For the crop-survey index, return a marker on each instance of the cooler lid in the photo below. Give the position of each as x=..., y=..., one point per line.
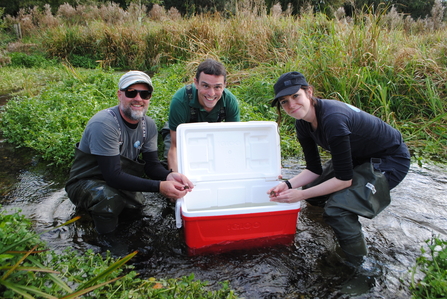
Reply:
x=229, y=151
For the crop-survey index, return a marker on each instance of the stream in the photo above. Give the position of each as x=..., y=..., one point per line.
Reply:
x=312, y=267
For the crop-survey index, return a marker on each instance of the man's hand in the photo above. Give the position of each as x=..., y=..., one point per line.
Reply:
x=178, y=177
x=176, y=186
x=173, y=189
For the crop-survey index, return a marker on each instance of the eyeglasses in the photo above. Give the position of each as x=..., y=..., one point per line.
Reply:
x=144, y=94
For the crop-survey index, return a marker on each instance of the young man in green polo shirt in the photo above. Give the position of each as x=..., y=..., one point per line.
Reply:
x=206, y=100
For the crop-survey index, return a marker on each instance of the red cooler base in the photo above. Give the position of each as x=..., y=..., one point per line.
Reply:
x=223, y=247
x=206, y=234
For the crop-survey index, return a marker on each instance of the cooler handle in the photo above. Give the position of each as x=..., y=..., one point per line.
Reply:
x=178, y=209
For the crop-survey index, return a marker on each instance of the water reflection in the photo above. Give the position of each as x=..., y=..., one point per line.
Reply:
x=310, y=268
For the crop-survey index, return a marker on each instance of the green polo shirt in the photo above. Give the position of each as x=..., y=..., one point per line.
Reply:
x=181, y=103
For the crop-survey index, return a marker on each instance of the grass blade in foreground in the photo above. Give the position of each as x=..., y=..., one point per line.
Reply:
x=109, y=270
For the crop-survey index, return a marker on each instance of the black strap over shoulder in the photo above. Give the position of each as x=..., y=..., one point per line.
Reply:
x=143, y=122
x=221, y=115
x=194, y=112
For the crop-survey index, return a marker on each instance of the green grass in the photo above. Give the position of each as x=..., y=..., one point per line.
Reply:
x=52, y=121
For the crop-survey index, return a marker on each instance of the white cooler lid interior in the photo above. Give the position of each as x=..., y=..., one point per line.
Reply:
x=229, y=151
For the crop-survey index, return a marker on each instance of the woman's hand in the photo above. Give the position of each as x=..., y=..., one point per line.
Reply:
x=282, y=193
x=287, y=195
x=275, y=191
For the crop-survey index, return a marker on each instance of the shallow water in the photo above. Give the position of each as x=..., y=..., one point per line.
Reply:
x=310, y=268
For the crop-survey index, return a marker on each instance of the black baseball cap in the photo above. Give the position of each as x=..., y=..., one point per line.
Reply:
x=289, y=83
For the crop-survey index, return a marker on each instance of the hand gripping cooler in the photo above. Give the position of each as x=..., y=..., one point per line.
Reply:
x=232, y=166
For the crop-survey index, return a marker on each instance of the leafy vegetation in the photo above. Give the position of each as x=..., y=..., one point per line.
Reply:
x=19, y=59
x=28, y=269
x=378, y=60
x=53, y=121
x=434, y=266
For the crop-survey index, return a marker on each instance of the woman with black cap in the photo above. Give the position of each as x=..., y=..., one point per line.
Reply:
x=369, y=158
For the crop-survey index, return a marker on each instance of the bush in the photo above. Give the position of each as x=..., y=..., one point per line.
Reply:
x=83, y=61
x=19, y=59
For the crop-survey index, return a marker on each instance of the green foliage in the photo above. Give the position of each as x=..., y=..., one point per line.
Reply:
x=2, y=21
x=30, y=60
x=166, y=83
x=390, y=73
x=434, y=267
x=184, y=287
x=13, y=229
x=84, y=61
x=52, y=122
x=417, y=8
x=26, y=272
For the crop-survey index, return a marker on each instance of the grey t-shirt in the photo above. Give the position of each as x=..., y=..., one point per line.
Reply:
x=102, y=136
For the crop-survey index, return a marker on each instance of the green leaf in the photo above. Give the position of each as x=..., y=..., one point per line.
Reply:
x=31, y=290
x=109, y=270
x=57, y=280
x=33, y=236
x=87, y=290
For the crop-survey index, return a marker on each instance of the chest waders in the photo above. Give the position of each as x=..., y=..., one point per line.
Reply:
x=368, y=195
x=87, y=189
x=193, y=118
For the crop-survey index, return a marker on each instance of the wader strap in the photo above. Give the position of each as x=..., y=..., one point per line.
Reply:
x=194, y=116
x=376, y=163
x=119, y=127
x=221, y=115
x=143, y=124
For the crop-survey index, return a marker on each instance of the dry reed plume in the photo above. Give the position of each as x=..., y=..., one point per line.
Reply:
x=134, y=38
x=340, y=50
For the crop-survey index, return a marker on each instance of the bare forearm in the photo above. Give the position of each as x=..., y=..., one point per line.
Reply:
x=327, y=187
x=172, y=159
x=304, y=178
x=281, y=193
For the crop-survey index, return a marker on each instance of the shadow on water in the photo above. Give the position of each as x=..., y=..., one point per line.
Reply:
x=312, y=267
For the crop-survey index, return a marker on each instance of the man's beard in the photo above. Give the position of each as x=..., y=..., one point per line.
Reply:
x=132, y=114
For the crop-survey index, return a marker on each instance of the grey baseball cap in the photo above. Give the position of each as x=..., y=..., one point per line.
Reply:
x=134, y=77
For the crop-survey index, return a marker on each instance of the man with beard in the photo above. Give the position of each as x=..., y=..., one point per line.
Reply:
x=118, y=147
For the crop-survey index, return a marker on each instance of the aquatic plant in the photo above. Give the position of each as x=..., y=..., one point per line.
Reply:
x=26, y=272
x=433, y=264
x=28, y=269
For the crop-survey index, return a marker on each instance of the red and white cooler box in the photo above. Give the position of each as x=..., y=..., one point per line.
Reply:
x=232, y=166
